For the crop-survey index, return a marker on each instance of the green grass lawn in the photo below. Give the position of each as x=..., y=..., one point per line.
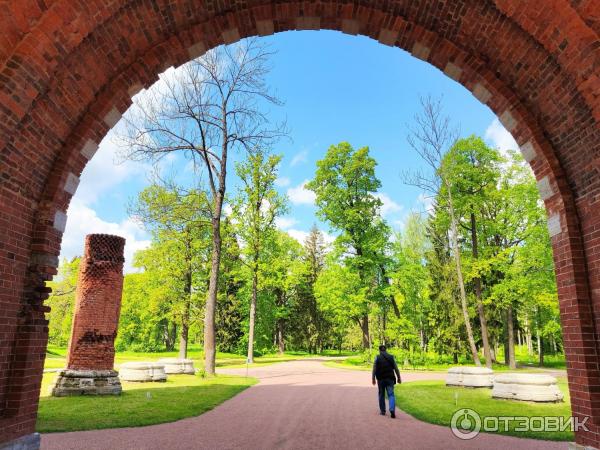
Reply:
x=433, y=402
x=140, y=403
x=56, y=357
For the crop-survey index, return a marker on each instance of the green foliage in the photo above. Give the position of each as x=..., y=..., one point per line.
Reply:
x=62, y=302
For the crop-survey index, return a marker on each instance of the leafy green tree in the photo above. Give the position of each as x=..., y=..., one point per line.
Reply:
x=345, y=185
x=410, y=279
x=62, y=302
x=179, y=222
x=255, y=208
x=473, y=171
x=212, y=106
x=430, y=137
x=307, y=320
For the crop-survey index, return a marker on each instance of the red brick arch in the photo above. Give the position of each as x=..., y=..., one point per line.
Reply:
x=68, y=70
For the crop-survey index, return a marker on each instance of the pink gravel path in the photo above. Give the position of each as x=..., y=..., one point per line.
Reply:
x=296, y=405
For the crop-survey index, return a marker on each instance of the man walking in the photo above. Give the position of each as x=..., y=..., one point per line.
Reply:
x=386, y=372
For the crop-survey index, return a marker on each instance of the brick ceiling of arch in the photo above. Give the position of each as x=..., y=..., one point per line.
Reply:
x=69, y=69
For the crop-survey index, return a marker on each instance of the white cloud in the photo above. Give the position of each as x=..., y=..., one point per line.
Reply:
x=500, y=138
x=285, y=222
x=83, y=220
x=299, y=195
x=389, y=206
x=283, y=181
x=103, y=174
x=299, y=158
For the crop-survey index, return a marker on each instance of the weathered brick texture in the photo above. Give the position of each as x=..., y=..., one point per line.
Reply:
x=98, y=303
x=68, y=69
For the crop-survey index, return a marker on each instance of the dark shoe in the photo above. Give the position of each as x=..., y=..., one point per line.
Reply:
x=382, y=413
x=392, y=414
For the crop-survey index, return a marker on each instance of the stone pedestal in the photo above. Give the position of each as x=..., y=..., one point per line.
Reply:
x=142, y=371
x=86, y=382
x=475, y=377
x=527, y=387
x=27, y=442
x=178, y=366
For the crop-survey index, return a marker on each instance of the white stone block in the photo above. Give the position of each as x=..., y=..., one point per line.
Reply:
x=528, y=151
x=60, y=221
x=481, y=93
x=420, y=51
x=507, y=120
x=554, y=225
x=71, y=183
x=112, y=117
x=453, y=71
x=531, y=387
x=135, y=89
x=89, y=149
x=545, y=188
x=468, y=376
x=142, y=371
x=176, y=365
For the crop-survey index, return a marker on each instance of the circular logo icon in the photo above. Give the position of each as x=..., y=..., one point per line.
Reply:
x=465, y=424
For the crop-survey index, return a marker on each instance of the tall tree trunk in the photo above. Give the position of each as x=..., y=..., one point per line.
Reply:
x=280, y=338
x=364, y=326
x=459, y=276
x=185, y=318
x=520, y=342
x=541, y=347
x=252, y=315
x=213, y=285
x=493, y=352
x=528, y=338
x=510, y=338
x=392, y=299
x=480, y=310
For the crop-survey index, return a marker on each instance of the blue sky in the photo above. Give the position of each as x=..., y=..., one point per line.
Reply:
x=335, y=88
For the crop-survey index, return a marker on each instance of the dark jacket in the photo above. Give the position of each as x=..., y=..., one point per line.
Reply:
x=385, y=368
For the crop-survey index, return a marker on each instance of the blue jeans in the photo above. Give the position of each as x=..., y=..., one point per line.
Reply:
x=386, y=385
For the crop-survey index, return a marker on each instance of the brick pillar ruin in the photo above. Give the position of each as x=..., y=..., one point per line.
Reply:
x=95, y=321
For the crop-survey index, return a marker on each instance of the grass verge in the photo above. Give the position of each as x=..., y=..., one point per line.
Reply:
x=433, y=402
x=140, y=404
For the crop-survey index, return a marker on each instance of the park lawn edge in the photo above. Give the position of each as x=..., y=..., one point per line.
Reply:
x=425, y=414
x=81, y=413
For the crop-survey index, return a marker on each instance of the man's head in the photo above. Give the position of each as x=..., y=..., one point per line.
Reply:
x=382, y=348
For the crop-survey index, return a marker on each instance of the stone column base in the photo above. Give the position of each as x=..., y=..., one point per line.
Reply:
x=28, y=442
x=86, y=382
x=574, y=446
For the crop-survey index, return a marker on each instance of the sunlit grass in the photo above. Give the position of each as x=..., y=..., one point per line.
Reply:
x=140, y=403
x=433, y=402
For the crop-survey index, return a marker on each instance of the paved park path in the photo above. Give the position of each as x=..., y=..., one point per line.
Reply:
x=296, y=405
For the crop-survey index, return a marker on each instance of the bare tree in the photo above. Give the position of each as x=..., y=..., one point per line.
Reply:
x=431, y=136
x=206, y=109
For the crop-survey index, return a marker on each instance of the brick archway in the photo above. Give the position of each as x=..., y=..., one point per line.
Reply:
x=68, y=70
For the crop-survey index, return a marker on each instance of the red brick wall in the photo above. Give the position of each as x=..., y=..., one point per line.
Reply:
x=68, y=68
x=98, y=303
